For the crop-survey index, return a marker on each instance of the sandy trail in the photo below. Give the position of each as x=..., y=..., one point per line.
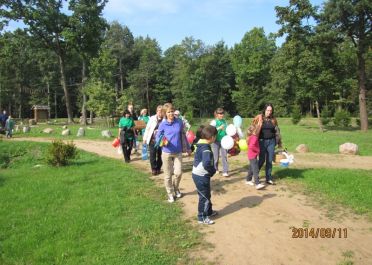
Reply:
x=256, y=227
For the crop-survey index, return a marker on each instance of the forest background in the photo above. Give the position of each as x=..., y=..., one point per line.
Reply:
x=79, y=64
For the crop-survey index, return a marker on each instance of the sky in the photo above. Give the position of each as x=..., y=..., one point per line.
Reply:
x=211, y=21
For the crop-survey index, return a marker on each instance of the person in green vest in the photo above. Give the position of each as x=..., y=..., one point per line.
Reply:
x=9, y=126
x=144, y=117
x=220, y=124
x=126, y=134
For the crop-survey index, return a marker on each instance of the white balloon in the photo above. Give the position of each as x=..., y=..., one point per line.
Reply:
x=231, y=130
x=240, y=133
x=227, y=142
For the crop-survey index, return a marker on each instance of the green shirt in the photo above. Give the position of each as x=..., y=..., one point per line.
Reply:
x=126, y=122
x=220, y=133
x=144, y=118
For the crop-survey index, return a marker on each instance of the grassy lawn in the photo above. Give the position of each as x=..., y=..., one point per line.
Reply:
x=350, y=188
x=95, y=211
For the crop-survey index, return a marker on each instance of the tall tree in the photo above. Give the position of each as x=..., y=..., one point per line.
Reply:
x=45, y=20
x=353, y=19
x=85, y=34
x=251, y=60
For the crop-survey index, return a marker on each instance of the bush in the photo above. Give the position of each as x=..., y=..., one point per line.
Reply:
x=59, y=153
x=342, y=118
x=4, y=160
x=326, y=115
x=296, y=114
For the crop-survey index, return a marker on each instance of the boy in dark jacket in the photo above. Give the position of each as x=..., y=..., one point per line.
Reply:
x=202, y=171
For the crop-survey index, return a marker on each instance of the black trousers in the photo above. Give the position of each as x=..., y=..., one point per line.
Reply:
x=155, y=157
x=127, y=149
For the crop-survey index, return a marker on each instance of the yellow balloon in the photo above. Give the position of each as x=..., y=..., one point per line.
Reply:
x=243, y=145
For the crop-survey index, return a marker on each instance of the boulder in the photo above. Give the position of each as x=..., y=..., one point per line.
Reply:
x=64, y=127
x=26, y=129
x=106, y=133
x=302, y=148
x=348, y=149
x=48, y=130
x=81, y=132
x=66, y=132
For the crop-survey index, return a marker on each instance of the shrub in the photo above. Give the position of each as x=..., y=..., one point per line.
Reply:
x=296, y=114
x=59, y=153
x=342, y=118
x=4, y=160
x=326, y=115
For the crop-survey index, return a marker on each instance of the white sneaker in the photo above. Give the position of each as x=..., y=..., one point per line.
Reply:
x=260, y=186
x=226, y=175
x=206, y=221
x=249, y=182
x=270, y=182
x=170, y=198
x=178, y=194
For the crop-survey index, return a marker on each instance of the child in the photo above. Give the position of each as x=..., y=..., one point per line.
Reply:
x=202, y=171
x=9, y=126
x=126, y=134
x=253, y=152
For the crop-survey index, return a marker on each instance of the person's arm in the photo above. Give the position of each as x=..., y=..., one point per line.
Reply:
x=208, y=163
x=278, y=137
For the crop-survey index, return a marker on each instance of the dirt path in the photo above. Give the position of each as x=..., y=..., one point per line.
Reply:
x=255, y=227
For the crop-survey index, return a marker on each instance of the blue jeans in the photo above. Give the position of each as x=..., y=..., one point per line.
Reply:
x=203, y=186
x=267, y=152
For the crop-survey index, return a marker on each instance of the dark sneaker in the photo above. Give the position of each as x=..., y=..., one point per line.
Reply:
x=214, y=213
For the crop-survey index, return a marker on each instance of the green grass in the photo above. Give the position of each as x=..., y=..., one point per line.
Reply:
x=351, y=188
x=95, y=211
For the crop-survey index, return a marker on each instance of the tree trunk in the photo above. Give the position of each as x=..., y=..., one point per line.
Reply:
x=321, y=128
x=362, y=91
x=55, y=104
x=48, y=90
x=121, y=76
x=147, y=96
x=83, y=108
x=91, y=117
x=65, y=89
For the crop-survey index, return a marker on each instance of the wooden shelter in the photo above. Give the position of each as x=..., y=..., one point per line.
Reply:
x=41, y=112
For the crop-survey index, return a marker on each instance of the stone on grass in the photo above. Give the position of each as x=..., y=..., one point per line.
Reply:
x=302, y=148
x=348, y=149
x=64, y=127
x=31, y=122
x=106, y=133
x=26, y=129
x=48, y=130
x=66, y=132
x=81, y=132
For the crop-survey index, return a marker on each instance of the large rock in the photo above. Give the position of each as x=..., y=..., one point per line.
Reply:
x=64, y=127
x=348, y=149
x=302, y=148
x=26, y=129
x=66, y=132
x=81, y=132
x=106, y=133
x=48, y=130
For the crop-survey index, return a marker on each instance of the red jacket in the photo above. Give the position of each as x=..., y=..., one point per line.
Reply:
x=253, y=147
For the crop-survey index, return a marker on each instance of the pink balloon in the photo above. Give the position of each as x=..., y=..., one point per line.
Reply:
x=190, y=136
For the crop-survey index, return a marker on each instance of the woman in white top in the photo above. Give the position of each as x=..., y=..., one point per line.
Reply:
x=149, y=139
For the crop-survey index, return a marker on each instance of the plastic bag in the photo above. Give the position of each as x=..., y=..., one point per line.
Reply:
x=144, y=152
x=120, y=150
